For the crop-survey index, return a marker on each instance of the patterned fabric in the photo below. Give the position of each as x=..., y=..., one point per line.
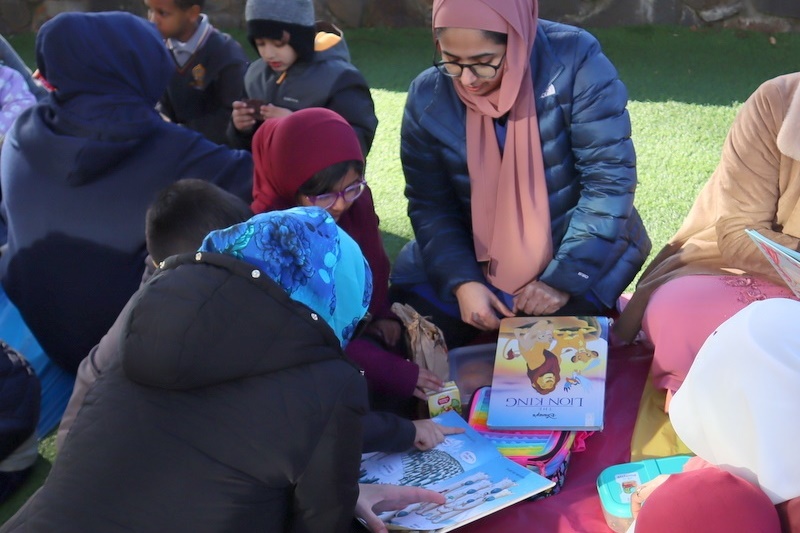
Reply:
x=695, y=306
x=309, y=256
x=14, y=97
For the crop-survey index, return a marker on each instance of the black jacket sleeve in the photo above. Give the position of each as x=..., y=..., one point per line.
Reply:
x=326, y=492
x=387, y=432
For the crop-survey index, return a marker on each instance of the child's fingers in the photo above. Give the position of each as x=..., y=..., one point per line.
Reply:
x=450, y=430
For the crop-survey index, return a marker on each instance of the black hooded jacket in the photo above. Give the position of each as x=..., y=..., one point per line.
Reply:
x=231, y=408
x=79, y=171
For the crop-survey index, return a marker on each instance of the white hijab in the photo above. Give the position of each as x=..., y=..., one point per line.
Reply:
x=739, y=407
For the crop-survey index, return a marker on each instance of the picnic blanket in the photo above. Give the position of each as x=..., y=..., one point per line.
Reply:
x=577, y=507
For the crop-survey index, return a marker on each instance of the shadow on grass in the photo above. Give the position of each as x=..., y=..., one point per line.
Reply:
x=392, y=243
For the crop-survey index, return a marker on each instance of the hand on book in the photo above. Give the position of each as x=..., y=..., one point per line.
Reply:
x=429, y=433
x=376, y=498
x=538, y=298
x=479, y=306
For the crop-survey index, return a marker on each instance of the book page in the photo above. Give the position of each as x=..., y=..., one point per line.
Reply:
x=474, y=477
x=785, y=260
x=549, y=373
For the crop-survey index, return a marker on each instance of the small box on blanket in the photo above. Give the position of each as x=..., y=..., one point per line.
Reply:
x=616, y=483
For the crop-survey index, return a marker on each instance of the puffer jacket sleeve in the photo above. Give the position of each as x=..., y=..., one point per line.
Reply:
x=605, y=165
x=439, y=224
x=326, y=493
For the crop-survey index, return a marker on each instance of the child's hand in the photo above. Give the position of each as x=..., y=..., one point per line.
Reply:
x=644, y=491
x=427, y=381
x=374, y=499
x=243, y=116
x=430, y=434
x=270, y=111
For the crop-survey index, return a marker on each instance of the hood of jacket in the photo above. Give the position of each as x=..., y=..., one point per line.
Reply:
x=207, y=318
x=108, y=70
x=329, y=43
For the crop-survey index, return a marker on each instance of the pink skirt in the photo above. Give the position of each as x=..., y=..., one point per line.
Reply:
x=683, y=312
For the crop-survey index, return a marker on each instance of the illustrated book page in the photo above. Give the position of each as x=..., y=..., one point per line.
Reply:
x=549, y=373
x=474, y=477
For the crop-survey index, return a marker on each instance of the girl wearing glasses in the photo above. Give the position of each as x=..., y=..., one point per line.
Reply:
x=332, y=177
x=520, y=172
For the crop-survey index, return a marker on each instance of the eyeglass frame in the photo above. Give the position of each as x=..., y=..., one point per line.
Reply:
x=362, y=183
x=440, y=66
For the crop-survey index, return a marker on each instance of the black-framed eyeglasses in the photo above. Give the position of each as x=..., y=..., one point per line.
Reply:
x=350, y=194
x=453, y=69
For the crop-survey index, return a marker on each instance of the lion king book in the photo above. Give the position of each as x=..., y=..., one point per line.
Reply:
x=550, y=373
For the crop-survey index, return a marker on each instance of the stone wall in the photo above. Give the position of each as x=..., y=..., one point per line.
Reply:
x=763, y=15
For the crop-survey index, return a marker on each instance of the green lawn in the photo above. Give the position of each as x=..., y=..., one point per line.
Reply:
x=685, y=87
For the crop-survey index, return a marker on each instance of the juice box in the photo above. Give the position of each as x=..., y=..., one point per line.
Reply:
x=447, y=399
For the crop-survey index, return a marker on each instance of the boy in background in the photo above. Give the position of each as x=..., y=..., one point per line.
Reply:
x=176, y=223
x=301, y=65
x=209, y=67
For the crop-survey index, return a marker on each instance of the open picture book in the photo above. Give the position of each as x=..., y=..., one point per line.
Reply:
x=549, y=373
x=474, y=477
x=785, y=260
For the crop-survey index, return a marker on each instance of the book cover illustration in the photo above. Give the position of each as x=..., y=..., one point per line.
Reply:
x=549, y=373
x=785, y=260
x=474, y=477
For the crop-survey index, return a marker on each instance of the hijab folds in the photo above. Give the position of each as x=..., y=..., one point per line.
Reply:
x=739, y=405
x=510, y=210
x=106, y=92
x=710, y=500
x=309, y=256
x=288, y=151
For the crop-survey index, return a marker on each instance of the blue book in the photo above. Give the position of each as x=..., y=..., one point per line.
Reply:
x=474, y=477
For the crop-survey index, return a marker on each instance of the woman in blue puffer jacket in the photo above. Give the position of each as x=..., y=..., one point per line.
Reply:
x=520, y=173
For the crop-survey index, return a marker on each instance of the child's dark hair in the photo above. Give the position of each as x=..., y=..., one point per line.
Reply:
x=185, y=212
x=327, y=178
x=183, y=5
x=300, y=38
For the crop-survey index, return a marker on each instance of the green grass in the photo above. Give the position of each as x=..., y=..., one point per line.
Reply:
x=685, y=87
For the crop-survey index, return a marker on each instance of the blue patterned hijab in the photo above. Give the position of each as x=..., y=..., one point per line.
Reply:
x=305, y=252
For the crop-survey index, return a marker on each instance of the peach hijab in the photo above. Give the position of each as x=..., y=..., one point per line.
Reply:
x=510, y=210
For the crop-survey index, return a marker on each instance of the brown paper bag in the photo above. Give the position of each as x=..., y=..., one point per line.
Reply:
x=425, y=341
